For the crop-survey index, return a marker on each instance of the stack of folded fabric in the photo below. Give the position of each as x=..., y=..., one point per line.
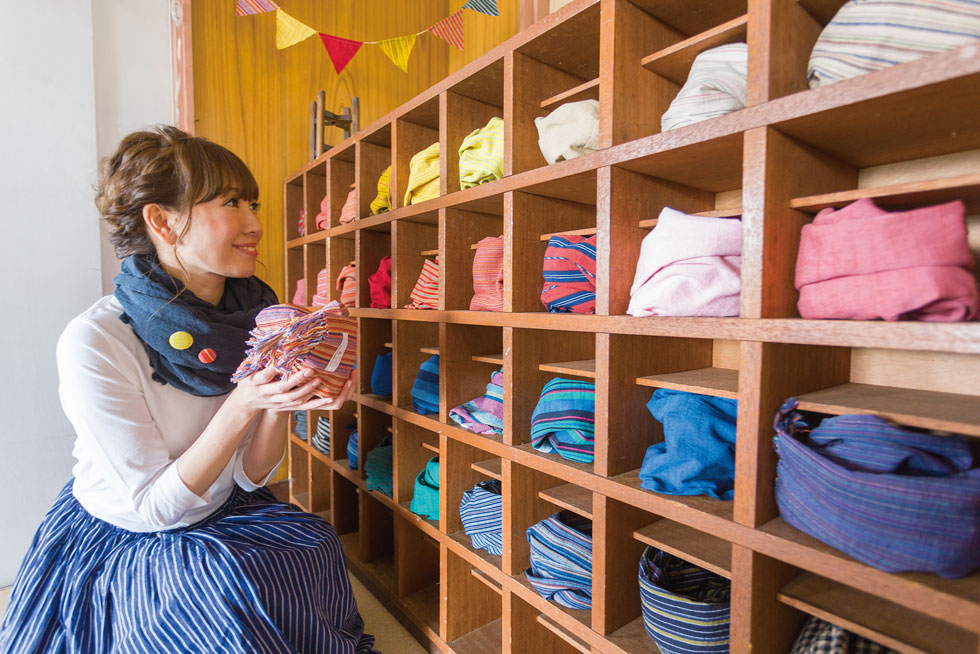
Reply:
x=569, y=131
x=352, y=450
x=425, y=295
x=561, y=560
x=323, y=218
x=347, y=284
x=898, y=500
x=300, y=418
x=697, y=455
x=425, y=390
x=299, y=297
x=686, y=610
x=377, y=467
x=564, y=420
x=864, y=263
x=321, y=439
x=481, y=155
x=423, y=176
x=322, y=296
x=425, y=498
x=484, y=415
x=301, y=223
x=688, y=266
x=820, y=637
x=348, y=213
x=569, y=274
x=382, y=202
x=488, y=275
x=715, y=86
x=381, y=375
x=481, y=511
x=380, y=285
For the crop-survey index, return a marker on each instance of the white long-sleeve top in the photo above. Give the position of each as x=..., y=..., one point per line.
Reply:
x=131, y=429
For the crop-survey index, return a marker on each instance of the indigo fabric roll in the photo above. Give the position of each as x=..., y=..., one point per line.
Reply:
x=481, y=511
x=898, y=500
x=569, y=274
x=697, y=455
x=561, y=560
x=564, y=420
x=377, y=467
x=425, y=497
x=425, y=390
x=686, y=610
x=321, y=439
x=381, y=375
x=481, y=155
x=483, y=415
x=820, y=637
x=352, y=450
x=380, y=285
x=300, y=417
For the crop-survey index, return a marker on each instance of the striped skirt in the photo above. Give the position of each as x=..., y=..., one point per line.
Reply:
x=256, y=576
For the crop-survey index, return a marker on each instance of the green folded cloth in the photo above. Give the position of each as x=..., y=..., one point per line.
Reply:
x=426, y=499
x=378, y=467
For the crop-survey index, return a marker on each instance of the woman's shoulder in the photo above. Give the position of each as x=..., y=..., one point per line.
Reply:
x=98, y=326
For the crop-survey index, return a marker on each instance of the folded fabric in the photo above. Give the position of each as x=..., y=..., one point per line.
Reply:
x=293, y=339
x=380, y=285
x=423, y=176
x=352, y=450
x=564, y=420
x=348, y=212
x=300, y=418
x=299, y=297
x=321, y=439
x=425, y=497
x=381, y=375
x=323, y=218
x=488, y=275
x=688, y=266
x=481, y=511
x=697, y=455
x=864, y=263
x=382, y=202
x=301, y=223
x=377, y=467
x=895, y=499
x=561, y=560
x=820, y=637
x=686, y=610
x=569, y=131
x=425, y=295
x=481, y=155
x=868, y=35
x=569, y=274
x=714, y=87
x=347, y=284
x=425, y=390
x=322, y=296
x=484, y=415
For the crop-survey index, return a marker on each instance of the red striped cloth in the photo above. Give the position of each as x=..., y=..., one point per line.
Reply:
x=322, y=221
x=380, y=285
x=322, y=296
x=347, y=284
x=425, y=295
x=488, y=275
x=348, y=213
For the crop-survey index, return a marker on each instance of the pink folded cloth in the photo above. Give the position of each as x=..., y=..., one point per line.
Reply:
x=379, y=285
x=301, y=223
x=322, y=296
x=864, y=263
x=348, y=213
x=322, y=221
x=488, y=275
x=299, y=297
x=425, y=295
x=347, y=284
x=688, y=266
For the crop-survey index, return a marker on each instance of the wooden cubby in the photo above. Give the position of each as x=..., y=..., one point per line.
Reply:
x=905, y=136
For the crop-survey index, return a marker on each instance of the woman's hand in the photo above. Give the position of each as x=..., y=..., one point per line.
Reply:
x=262, y=391
x=327, y=403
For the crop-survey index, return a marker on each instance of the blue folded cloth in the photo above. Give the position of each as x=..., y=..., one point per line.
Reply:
x=321, y=438
x=300, y=417
x=481, y=511
x=425, y=390
x=561, y=559
x=564, y=420
x=352, y=450
x=381, y=375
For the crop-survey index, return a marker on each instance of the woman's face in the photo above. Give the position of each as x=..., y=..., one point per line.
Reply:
x=222, y=239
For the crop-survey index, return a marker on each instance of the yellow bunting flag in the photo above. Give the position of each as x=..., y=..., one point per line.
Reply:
x=399, y=49
x=290, y=31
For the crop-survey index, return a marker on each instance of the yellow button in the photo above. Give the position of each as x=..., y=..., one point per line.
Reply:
x=181, y=340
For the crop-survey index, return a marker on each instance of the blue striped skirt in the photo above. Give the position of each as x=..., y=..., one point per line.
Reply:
x=256, y=576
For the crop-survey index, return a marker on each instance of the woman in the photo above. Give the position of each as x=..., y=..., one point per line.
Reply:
x=166, y=539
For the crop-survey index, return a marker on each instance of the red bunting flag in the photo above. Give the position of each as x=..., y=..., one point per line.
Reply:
x=450, y=29
x=341, y=51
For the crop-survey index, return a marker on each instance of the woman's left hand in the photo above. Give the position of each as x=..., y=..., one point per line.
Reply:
x=315, y=403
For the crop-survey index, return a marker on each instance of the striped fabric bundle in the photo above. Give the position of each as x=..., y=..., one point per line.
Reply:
x=484, y=415
x=322, y=296
x=820, y=637
x=481, y=511
x=301, y=222
x=714, y=87
x=569, y=274
x=423, y=176
x=481, y=155
x=323, y=218
x=352, y=450
x=293, y=339
x=561, y=560
x=564, y=420
x=569, y=131
x=425, y=390
x=686, y=610
x=321, y=439
x=869, y=35
x=347, y=284
x=894, y=499
x=425, y=497
x=348, y=212
x=425, y=295
x=381, y=375
x=377, y=467
x=488, y=275
x=300, y=418
x=382, y=202
x=299, y=297
x=379, y=284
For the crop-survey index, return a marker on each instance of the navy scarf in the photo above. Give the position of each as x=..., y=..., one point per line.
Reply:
x=192, y=344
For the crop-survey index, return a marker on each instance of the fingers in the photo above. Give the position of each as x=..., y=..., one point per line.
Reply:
x=265, y=375
x=283, y=386
x=297, y=395
x=329, y=403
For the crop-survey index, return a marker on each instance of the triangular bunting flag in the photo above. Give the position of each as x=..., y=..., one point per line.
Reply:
x=450, y=29
x=488, y=7
x=250, y=7
x=341, y=51
x=398, y=49
x=290, y=31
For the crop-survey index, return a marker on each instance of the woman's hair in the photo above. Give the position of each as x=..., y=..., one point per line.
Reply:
x=164, y=166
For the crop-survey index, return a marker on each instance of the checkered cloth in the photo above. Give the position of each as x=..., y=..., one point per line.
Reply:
x=820, y=637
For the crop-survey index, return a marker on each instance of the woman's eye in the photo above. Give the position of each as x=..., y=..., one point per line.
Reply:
x=232, y=202
x=254, y=207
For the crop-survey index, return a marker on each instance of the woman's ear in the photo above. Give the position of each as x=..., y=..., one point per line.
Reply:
x=159, y=223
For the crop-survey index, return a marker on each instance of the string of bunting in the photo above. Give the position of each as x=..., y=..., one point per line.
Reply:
x=290, y=31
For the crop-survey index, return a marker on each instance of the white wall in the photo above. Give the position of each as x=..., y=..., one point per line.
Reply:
x=55, y=116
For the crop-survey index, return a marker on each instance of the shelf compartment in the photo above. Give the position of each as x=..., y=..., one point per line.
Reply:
x=484, y=640
x=674, y=62
x=718, y=382
x=553, y=627
x=495, y=359
x=490, y=467
x=697, y=547
x=569, y=496
x=584, y=91
x=902, y=196
x=429, y=253
x=487, y=581
x=584, y=368
x=429, y=350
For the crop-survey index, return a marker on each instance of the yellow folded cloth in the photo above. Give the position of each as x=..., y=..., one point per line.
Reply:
x=382, y=203
x=423, y=176
x=481, y=156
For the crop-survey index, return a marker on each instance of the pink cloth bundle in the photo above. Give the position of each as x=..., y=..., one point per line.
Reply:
x=689, y=266
x=322, y=296
x=347, y=284
x=488, y=275
x=348, y=213
x=379, y=285
x=299, y=297
x=425, y=295
x=322, y=220
x=301, y=223
x=864, y=263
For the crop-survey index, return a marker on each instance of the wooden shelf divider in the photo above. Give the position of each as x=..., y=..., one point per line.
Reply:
x=719, y=382
x=584, y=368
x=909, y=194
x=490, y=468
x=701, y=549
x=674, y=62
x=584, y=91
x=569, y=496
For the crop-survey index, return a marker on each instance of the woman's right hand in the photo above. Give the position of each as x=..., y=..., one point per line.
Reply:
x=262, y=391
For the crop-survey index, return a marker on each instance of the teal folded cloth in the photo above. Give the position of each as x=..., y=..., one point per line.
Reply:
x=425, y=501
x=564, y=420
x=377, y=467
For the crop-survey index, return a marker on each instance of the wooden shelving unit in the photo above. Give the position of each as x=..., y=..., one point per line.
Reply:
x=905, y=136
